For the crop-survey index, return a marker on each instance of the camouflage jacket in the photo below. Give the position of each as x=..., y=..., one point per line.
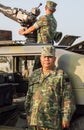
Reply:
x=49, y=99
x=46, y=26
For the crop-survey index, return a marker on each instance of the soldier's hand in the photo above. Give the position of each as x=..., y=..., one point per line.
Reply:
x=21, y=31
x=65, y=124
x=28, y=118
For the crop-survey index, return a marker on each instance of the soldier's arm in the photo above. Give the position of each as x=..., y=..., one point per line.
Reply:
x=27, y=102
x=40, y=22
x=68, y=105
x=27, y=31
x=28, y=97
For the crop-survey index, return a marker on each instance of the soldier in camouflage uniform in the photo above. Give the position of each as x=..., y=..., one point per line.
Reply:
x=49, y=101
x=46, y=25
x=46, y=28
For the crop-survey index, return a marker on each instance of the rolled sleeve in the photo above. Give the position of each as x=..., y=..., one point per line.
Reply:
x=40, y=22
x=36, y=25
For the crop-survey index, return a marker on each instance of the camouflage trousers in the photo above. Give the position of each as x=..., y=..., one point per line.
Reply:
x=41, y=128
x=37, y=128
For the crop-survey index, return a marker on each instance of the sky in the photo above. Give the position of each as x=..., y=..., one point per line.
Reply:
x=69, y=16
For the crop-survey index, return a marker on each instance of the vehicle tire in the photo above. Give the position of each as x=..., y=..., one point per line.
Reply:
x=78, y=124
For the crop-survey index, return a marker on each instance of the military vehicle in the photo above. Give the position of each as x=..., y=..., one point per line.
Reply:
x=13, y=84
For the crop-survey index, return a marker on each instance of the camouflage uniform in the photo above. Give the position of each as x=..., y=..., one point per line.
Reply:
x=49, y=100
x=46, y=25
x=46, y=29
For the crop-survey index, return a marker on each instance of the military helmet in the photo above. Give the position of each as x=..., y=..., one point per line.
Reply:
x=51, y=5
x=48, y=51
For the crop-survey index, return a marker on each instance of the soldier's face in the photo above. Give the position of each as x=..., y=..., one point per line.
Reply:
x=47, y=62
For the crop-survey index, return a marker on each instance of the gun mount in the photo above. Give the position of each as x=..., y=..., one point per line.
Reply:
x=23, y=17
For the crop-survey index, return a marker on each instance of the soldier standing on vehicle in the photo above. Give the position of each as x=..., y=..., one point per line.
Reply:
x=49, y=101
x=46, y=25
x=46, y=28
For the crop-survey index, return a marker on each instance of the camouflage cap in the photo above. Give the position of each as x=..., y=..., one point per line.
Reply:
x=51, y=5
x=48, y=51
